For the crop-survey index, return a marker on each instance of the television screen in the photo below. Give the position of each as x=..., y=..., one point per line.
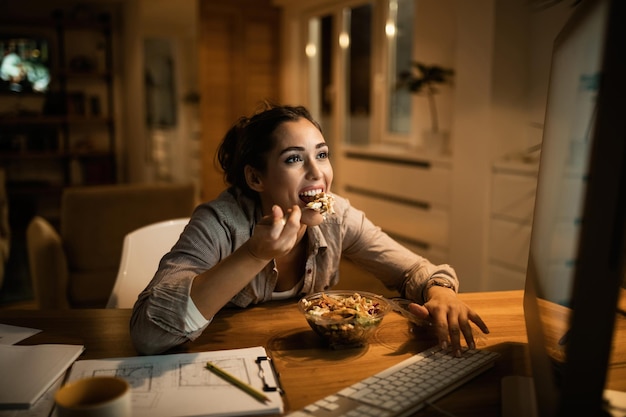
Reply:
x=24, y=64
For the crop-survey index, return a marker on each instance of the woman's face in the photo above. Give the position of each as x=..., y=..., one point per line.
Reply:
x=297, y=168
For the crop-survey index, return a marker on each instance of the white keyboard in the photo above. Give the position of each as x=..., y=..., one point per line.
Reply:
x=404, y=388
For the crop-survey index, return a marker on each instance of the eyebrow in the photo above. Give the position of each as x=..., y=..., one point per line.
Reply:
x=300, y=148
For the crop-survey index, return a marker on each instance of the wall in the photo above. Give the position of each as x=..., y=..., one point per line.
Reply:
x=498, y=112
x=173, y=23
x=472, y=141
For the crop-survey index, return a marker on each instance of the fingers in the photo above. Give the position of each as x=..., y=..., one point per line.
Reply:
x=294, y=214
x=278, y=222
x=451, y=323
x=419, y=311
x=475, y=318
x=467, y=330
x=277, y=214
x=275, y=217
x=276, y=233
x=468, y=335
x=451, y=329
x=454, y=333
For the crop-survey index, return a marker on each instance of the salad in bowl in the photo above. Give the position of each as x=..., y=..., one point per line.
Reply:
x=344, y=318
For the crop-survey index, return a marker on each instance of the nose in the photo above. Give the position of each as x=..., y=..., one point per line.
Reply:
x=313, y=171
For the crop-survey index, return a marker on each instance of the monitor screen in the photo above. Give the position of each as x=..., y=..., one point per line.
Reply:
x=576, y=258
x=24, y=64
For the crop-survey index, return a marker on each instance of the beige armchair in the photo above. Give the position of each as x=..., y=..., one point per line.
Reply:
x=76, y=267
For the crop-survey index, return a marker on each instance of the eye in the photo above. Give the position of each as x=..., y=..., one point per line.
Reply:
x=292, y=159
x=323, y=155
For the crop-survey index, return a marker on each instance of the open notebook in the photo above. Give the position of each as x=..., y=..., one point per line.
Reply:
x=180, y=385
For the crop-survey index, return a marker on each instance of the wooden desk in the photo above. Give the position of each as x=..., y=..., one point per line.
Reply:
x=308, y=370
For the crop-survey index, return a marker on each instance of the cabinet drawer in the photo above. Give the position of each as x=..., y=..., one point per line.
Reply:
x=428, y=183
x=429, y=226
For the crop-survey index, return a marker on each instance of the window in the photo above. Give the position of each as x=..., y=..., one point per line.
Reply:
x=339, y=51
x=354, y=54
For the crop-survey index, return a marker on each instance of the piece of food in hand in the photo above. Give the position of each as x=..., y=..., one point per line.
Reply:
x=323, y=203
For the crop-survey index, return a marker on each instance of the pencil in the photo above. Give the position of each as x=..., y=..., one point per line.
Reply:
x=237, y=382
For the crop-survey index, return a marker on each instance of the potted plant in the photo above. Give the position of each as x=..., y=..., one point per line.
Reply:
x=424, y=78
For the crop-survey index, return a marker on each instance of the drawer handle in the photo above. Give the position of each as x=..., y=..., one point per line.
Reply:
x=390, y=198
x=389, y=159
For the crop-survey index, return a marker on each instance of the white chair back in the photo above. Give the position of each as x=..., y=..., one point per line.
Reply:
x=142, y=251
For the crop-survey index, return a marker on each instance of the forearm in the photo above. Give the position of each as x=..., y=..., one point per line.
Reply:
x=214, y=288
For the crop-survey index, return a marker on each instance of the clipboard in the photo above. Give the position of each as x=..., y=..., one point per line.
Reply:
x=268, y=375
x=180, y=385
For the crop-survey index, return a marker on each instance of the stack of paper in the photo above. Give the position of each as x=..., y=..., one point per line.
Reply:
x=28, y=371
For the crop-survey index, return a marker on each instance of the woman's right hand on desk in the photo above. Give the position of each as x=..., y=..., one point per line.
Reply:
x=450, y=318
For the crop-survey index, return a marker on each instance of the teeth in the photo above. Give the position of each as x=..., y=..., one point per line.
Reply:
x=311, y=193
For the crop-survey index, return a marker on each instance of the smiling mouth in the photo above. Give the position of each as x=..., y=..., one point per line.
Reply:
x=322, y=203
x=309, y=196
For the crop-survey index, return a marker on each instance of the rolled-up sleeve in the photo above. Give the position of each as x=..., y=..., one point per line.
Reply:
x=158, y=320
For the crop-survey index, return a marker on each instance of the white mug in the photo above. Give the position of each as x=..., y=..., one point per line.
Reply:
x=102, y=396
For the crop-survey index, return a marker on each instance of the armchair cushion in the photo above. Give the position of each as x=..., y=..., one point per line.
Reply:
x=93, y=223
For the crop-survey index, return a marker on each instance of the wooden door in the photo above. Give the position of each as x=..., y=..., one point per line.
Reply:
x=239, y=69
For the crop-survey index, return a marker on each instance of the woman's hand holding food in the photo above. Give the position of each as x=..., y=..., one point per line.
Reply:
x=276, y=234
x=450, y=318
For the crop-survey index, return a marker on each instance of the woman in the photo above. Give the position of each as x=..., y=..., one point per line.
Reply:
x=258, y=241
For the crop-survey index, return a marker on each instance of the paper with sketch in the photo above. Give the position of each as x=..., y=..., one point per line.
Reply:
x=10, y=335
x=28, y=371
x=179, y=385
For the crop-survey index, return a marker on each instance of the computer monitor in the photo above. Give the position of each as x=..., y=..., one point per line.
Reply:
x=577, y=251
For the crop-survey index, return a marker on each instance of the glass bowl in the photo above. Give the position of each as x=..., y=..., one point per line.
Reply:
x=344, y=318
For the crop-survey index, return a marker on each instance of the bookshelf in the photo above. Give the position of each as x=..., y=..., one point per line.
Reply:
x=66, y=135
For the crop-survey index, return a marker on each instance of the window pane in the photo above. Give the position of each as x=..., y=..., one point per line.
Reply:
x=357, y=43
x=399, y=30
x=319, y=52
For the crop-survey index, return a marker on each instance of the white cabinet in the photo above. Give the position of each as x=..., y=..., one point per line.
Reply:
x=407, y=195
x=512, y=204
